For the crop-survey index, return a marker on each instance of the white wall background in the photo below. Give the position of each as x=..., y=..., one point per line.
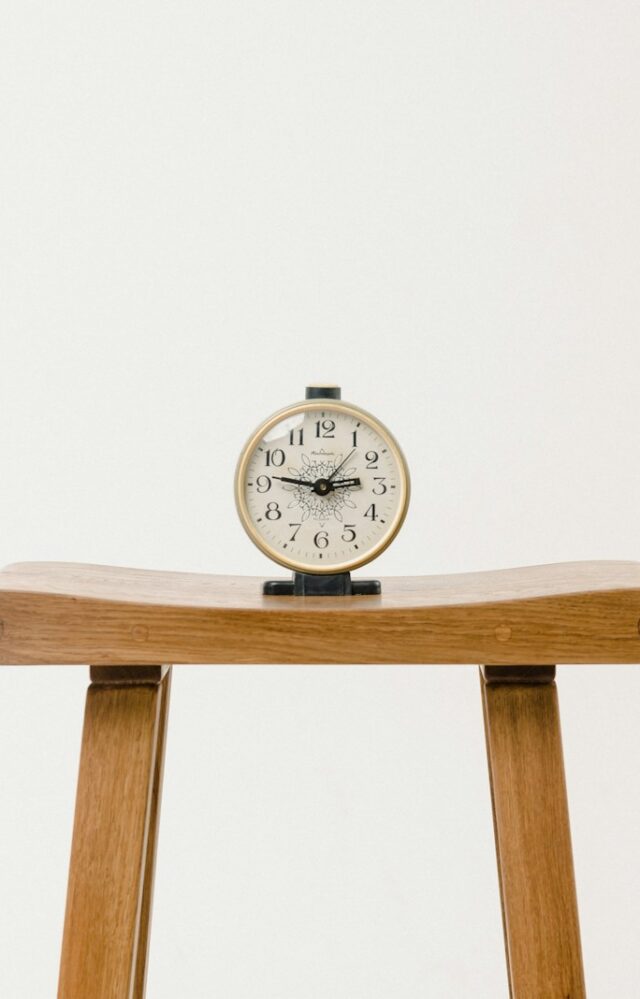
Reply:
x=204, y=207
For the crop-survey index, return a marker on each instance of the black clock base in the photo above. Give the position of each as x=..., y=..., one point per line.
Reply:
x=307, y=584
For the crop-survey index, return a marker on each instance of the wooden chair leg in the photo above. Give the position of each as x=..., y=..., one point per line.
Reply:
x=533, y=841
x=106, y=930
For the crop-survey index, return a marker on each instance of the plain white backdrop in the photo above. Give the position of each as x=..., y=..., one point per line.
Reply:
x=204, y=207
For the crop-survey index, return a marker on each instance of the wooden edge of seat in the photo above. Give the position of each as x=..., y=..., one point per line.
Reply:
x=189, y=589
x=56, y=613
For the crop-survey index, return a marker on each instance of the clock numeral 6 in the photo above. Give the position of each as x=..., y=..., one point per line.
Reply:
x=275, y=457
x=263, y=483
x=321, y=539
x=273, y=511
x=349, y=529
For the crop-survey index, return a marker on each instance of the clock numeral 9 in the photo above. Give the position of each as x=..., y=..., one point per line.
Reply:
x=273, y=511
x=372, y=459
x=326, y=426
x=275, y=457
x=263, y=483
x=349, y=529
x=321, y=539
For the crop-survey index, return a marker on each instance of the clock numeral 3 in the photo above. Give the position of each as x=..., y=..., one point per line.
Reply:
x=380, y=489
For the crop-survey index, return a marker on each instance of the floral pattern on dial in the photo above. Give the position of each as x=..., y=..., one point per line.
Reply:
x=320, y=508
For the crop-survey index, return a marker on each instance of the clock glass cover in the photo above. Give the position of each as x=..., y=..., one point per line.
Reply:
x=322, y=486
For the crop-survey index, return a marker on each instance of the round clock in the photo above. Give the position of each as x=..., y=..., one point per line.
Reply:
x=322, y=486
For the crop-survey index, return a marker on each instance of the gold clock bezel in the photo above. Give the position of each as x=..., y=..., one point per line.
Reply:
x=349, y=409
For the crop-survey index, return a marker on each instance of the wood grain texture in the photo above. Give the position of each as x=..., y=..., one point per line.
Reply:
x=149, y=862
x=112, y=857
x=579, y=612
x=533, y=841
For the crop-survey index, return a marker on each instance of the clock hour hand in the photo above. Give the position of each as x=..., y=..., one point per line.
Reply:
x=344, y=483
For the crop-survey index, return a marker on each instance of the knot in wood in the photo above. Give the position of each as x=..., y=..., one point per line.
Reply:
x=503, y=632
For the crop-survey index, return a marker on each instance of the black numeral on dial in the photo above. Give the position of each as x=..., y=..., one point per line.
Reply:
x=379, y=489
x=275, y=457
x=371, y=512
x=325, y=428
x=273, y=511
x=350, y=530
x=263, y=483
x=372, y=459
x=321, y=539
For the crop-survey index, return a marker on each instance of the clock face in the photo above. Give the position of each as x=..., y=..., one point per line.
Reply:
x=322, y=487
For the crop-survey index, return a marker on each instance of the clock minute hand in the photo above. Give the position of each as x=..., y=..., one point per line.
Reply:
x=297, y=482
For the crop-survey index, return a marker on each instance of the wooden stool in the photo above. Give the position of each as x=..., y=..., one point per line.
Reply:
x=128, y=623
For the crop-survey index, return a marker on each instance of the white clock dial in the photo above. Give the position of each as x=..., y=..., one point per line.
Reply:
x=322, y=487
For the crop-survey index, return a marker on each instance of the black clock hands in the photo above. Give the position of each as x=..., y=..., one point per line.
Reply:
x=338, y=467
x=344, y=483
x=296, y=482
x=320, y=486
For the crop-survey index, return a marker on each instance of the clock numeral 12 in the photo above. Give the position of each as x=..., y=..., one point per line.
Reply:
x=326, y=426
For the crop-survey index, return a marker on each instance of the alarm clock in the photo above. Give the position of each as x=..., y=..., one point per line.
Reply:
x=322, y=488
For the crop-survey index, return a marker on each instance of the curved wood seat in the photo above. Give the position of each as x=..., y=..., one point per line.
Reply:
x=65, y=613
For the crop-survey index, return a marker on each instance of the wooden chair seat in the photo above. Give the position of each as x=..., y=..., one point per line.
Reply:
x=65, y=613
x=129, y=625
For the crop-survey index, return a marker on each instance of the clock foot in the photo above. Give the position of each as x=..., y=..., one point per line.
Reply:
x=307, y=584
